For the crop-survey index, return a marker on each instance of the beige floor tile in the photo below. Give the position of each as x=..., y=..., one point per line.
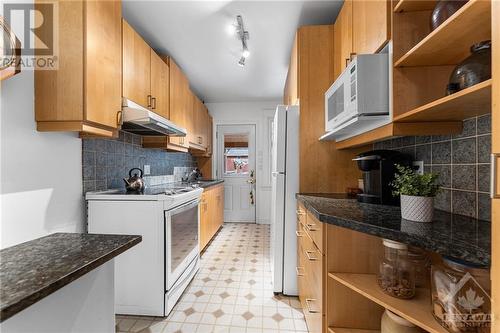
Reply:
x=232, y=292
x=126, y=324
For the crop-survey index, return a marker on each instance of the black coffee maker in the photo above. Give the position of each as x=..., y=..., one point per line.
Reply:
x=379, y=168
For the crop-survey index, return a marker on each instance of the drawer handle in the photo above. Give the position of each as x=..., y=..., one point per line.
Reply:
x=149, y=101
x=494, y=178
x=309, y=300
x=153, y=103
x=300, y=212
x=311, y=227
x=298, y=233
x=119, y=118
x=297, y=270
x=308, y=255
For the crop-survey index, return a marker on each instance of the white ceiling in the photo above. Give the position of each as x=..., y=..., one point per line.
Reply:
x=195, y=34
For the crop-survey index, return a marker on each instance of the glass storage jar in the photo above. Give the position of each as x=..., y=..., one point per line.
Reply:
x=392, y=323
x=396, y=272
x=461, y=296
x=422, y=265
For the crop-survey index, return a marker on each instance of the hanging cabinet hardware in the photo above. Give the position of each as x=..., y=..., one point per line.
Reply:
x=297, y=269
x=309, y=309
x=149, y=101
x=308, y=255
x=494, y=176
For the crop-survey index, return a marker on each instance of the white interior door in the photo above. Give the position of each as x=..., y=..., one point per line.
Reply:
x=236, y=165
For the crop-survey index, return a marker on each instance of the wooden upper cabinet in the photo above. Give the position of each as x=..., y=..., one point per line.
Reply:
x=210, y=133
x=179, y=91
x=371, y=25
x=160, y=90
x=199, y=126
x=342, y=39
x=136, y=67
x=84, y=93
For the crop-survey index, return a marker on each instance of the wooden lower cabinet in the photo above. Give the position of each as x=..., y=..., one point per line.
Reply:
x=211, y=213
x=310, y=262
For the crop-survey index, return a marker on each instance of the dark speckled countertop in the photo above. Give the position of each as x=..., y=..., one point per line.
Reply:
x=449, y=234
x=206, y=183
x=33, y=270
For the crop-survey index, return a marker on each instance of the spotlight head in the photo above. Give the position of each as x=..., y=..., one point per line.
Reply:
x=241, y=63
x=246, y=52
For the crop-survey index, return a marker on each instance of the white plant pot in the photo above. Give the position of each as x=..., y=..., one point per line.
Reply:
x=418, y=209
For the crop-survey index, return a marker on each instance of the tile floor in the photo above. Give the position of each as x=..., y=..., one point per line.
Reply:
x=231, y=293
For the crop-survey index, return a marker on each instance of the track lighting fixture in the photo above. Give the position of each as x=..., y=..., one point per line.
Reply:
x=243, y=36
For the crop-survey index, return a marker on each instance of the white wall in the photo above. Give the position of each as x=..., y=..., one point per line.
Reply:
x=261, y=114
x=40, y=173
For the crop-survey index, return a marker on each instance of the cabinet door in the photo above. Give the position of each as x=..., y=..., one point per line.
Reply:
x=204, y=127
x=210, y=134
x=194, y=137
x=218, y=207
x=103, y=70
x=342, y=39
x=178, y=90
x=204, y=221
x=190, y=103
x=370, y=25
x=160, y=102
x=136, y=67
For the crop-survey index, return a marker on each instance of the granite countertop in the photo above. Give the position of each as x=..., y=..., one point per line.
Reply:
x=33, y=270
x=449, y=234
x=206, y=183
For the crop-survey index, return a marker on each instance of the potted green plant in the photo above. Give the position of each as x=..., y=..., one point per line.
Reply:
x=417, y=193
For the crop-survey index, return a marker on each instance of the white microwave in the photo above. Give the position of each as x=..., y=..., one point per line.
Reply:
x=361, y=91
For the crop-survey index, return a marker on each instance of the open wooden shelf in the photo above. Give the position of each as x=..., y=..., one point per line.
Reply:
x=417, y=310
x=349, y=330
x=401, y=129
x=451, y=41
x=470, y=102
x=414, y=5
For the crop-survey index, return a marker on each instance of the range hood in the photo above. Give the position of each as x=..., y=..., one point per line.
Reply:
x=139, y=120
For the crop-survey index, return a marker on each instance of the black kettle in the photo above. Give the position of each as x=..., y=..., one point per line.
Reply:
x=134, y=183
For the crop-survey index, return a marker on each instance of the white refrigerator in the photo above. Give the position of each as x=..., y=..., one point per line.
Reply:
x=285, y=184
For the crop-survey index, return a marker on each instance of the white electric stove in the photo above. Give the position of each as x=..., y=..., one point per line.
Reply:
x=151, y=277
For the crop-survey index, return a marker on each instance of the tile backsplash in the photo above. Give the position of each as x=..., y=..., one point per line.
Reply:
x=107, y=161
x=462, y=162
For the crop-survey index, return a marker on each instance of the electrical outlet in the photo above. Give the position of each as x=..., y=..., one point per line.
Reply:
x=418, y=166
x=147, y=169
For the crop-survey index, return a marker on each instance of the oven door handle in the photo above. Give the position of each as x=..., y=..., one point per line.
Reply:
x=184, y=207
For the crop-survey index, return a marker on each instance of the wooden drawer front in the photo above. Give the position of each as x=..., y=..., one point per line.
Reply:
x=312, y=261
x=301, y=214
x=301, y=261
x=314, y=229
